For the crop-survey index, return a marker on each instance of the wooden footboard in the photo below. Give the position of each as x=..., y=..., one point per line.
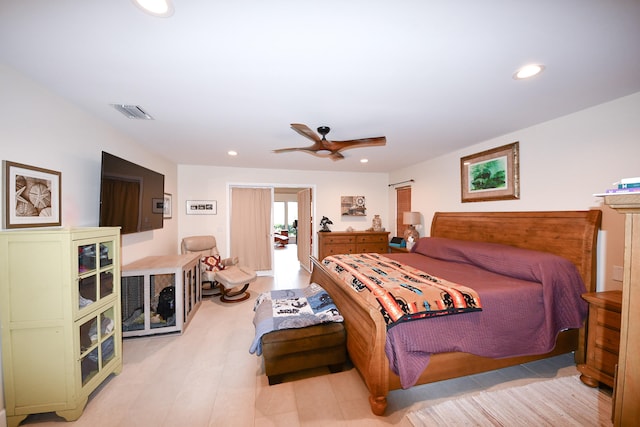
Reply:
x=366, y=337
x=571, y=234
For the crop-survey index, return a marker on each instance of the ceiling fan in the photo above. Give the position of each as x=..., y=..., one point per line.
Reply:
x=322, y=147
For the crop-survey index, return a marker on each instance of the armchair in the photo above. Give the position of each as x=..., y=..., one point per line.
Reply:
x=218, y=274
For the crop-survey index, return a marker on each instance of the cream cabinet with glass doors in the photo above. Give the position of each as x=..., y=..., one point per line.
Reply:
x=60, y=318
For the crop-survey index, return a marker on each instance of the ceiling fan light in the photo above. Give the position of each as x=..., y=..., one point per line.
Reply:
x=159, y=8
x=528, y=71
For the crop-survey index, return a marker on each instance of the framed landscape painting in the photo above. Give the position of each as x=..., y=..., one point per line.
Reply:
x=491, y=175
x=32, y=196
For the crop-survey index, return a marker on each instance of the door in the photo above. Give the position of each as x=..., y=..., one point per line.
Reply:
x=305, y=225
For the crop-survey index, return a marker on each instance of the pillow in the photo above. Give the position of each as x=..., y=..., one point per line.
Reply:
x=507, y=260
x=211, y=263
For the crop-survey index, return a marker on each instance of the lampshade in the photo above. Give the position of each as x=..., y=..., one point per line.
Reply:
x=411, y=218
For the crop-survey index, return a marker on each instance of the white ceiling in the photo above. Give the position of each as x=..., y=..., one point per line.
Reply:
x=431, y=76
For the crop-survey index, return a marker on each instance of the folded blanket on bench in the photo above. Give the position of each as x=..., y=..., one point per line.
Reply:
x=291, y=308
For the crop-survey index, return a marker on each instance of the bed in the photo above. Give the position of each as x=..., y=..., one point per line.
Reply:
x=568, y=234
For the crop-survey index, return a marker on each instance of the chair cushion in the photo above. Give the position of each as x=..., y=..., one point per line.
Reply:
x=235, y=276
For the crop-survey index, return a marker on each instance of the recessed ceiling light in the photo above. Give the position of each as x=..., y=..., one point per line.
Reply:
x=232, y=153
x=364, y=160
x=159, y=8
x=528, y=71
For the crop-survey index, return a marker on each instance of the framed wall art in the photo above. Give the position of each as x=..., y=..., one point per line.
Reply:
x=166, y=206
x=32, y=196
x=202, y=207
x=353, y=206
x=491, y=175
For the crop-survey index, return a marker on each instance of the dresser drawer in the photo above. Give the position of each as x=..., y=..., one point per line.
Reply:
x=372, y=248
x=337, y=240
x=608, y=339
x=374, y=238
x=338, y=249
x=608, y=318
x=602, y=360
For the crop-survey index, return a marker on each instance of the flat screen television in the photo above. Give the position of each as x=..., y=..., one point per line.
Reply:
x=131, y=196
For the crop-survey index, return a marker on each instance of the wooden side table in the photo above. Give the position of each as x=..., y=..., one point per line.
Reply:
x=603, y=338
x=397, y=249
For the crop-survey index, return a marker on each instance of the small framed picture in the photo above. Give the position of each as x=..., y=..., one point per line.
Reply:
x=353, y=206
x=32, y=196
x=202, y=207
x=166, y=206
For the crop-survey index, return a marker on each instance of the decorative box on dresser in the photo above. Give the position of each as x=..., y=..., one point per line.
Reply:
x=352, y=242
x=59, y=317
x=626, y=406
x=603, y=338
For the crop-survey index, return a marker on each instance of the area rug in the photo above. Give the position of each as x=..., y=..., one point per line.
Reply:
x=563, y=401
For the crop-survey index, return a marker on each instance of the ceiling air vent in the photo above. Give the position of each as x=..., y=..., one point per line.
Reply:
x=132, y=111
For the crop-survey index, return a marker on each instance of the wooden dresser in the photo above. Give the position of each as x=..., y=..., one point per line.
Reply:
x=354, y=242
x=626, y=410
x=603, y=338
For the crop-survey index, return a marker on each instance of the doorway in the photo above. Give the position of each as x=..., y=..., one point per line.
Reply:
x=281, y=213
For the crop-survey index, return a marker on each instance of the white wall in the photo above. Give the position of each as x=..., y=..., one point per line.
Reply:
x=39, y=128
x=212, y=183
x=563, y=162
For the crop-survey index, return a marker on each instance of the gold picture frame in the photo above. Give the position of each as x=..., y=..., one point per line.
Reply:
x=32, y=196
x=491, y=175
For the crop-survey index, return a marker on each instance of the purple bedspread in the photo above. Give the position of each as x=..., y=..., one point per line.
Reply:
x=528, y=298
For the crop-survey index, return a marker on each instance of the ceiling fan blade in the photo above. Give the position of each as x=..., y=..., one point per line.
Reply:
x=288, y=150
x=314, y=150
x=354, y=143
x=306, y=132
x=336, y=156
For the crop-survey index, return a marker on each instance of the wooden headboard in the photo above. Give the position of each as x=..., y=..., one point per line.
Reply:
x=570, y=234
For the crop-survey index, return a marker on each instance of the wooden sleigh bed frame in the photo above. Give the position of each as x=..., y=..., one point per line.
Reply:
x=570, y=234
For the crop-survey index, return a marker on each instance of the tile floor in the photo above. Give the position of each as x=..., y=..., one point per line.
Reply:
x=206, y=377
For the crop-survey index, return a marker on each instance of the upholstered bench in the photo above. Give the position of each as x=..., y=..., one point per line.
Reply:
x=298, y=329
x=291, y=350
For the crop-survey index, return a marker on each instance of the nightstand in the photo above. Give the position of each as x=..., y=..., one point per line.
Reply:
x=393, y=249
x=603, y=338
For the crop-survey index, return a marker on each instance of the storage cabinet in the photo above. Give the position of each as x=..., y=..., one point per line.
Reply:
x=355, y=242
x=626, y=410
x=60, y=318
x=603, y=338
x=160, y=294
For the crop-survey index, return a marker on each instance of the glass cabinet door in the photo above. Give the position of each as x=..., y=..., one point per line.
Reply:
x=88, y=350
x=106, y=334
x=97, y=343
x=95, y=272
x=87, y=283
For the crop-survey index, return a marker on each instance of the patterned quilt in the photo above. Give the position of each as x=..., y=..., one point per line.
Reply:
x=291, y=308
x=402, y=292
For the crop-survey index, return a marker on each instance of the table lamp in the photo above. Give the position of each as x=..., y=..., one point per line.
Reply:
x=410, y=219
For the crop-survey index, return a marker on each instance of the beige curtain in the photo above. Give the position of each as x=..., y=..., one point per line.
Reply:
x=305, y=222
x=251, y=227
